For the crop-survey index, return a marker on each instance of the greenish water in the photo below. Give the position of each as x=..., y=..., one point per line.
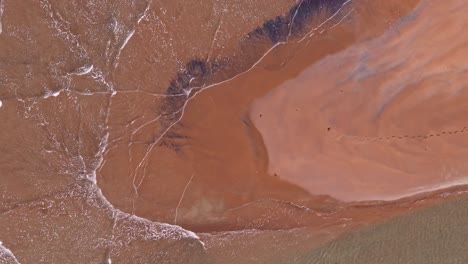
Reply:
x=437, y=234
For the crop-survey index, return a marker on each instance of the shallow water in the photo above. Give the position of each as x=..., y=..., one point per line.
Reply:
x=223, y=131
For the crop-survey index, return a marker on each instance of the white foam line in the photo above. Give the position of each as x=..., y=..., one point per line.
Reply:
x=292, y=20
x=129, y=36
x=339, y=22
x=63, y=29
x=292, y=204
x=100, y=154
x=98, y=75
x=185, y=233
x=264, y=55
x=87, y=93
x=421, y=190
x=312, y=32
x=135, y=174
x=4, y=251
x=102, y=148
x=131, y=33
x=83, y=70
x=145, y=13
x=138, y=129
x=149, y=93
x=242, y=206
x=182, y=198
x=144, y=159
x=182, y=109
x=143, y=162
x=103, y=145
x=51, y=94
x=2, y=3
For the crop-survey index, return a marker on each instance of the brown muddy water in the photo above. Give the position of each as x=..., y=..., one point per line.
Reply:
x=309, y=131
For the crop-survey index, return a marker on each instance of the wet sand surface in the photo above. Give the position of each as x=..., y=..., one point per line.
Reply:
x=388, y=123
x=229, y=131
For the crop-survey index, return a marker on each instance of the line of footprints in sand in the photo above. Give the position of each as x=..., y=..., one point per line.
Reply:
x=399, y=137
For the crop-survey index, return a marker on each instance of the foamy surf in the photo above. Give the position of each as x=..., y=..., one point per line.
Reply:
x=6, y=256
x=1, y=15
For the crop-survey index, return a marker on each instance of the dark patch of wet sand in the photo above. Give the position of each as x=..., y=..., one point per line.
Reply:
x=225, y=184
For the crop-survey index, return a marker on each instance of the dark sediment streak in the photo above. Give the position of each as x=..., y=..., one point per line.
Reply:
x=296, y=20
x=199, y=73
